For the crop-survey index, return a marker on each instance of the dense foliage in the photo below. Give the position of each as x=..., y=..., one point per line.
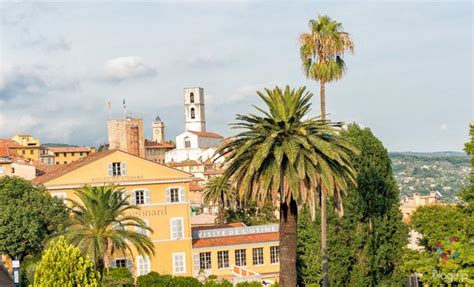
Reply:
x=250, y=214
x=118, y=277
x=63, y=265
x=28, y=216
x=153, y=279
x=366, y=244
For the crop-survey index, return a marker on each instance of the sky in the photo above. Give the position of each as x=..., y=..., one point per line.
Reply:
x=409, y=81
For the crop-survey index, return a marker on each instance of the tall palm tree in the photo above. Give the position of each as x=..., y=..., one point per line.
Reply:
x=100, y=223
x=283, y=156
x=321, y=52
x=219, y=191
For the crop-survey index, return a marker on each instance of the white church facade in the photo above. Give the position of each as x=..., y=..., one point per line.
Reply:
x=195, y=143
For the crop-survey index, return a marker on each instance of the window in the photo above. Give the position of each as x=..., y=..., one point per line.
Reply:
x=205, y=260
x=23, y=151
x=57, y=162
x=65, y=162
x=64, y=154
x=177, y=228
x=175, y=194
x=121, y=263
x=143, y=231
x=117, y=169
x=143, y=265
x=13, y=170
x=257, y=254
x=187, y=142
x=139, y=197
x=223, y=259
x=274, y=254
x=196, y=262
x=80, y=154
x=193, y=113
x=191, y=97
x=240, y=257
x=72, y=154
x=31, y=151
x=179, y=263
x=2, y=170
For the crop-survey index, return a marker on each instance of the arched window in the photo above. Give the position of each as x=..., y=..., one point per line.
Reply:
x=187, y=142
x=193, y=114
x=191, y=97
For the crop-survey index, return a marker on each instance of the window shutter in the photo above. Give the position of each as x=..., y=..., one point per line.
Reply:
x=181, y=194
x=129, y=264
x=111, y=169
x=132, y=198
x=112, y=264
x=124, y=169
x=148, y=269
x=147, y=196
x=168, y=195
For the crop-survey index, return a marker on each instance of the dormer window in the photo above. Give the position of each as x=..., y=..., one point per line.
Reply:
x=191, y=97
x=117, y=169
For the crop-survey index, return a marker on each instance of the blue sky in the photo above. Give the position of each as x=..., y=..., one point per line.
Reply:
x=410, y=79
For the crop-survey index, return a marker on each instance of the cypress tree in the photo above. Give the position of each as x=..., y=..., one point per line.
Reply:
x=365, y=245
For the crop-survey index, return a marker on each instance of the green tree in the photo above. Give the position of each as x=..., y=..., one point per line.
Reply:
x=118, y=277
x=153, y=279
x=467, y=194
x=28, y=216
x=442, y=261
x=251, y=214
x=219, y=191
x=100, y=223
x=321, y=51
x=283, y=157
x=366, y=244
x=63, y=265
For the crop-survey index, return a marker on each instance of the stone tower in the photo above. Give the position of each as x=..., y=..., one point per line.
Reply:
x=158, y=130
x=127, y=135
x=194, y=112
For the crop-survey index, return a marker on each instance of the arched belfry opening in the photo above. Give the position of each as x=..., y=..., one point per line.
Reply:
x=193, y=113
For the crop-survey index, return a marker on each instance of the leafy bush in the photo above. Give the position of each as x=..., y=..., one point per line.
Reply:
x=213, y=283
x=153, y=279
x=63, y=265
x=249, y=284
x=119, y=276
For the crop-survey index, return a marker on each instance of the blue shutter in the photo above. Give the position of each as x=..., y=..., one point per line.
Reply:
x=147, y=196
x=132, y=198
x=112, y=264
x=168, y=195
x=130, y=265
x=181, y=194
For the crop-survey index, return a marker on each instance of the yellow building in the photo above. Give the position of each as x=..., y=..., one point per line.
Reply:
x=29, y=147
x=68, y=154
x=160, y=191
x=237, y=252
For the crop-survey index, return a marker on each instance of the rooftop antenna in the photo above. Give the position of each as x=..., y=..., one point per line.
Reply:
x=109, y=104
x=124, y=110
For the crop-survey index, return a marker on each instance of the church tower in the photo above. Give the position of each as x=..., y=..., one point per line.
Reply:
x=194, y=109
x=158, y=130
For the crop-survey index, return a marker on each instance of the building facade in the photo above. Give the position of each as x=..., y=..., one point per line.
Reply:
x=161, y=193
x=68, y=154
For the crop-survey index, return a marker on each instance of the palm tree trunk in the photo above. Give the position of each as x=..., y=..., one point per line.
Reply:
x=288, y=226
x=322, y=97
x=324, y=239
x=324, y=242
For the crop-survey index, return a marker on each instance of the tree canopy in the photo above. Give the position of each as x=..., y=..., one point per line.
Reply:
x=28, y=216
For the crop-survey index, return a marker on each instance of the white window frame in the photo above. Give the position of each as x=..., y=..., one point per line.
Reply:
x=275, y=254
x=258, y=256
x=182, y=256
x=221, y=261
x=240, y=257
x=146, y=196
x=140, y=230
x=173, y=219
x=196, y=262
x=204, y=261
x=61, y=195
x=181, y=194
x=144, y=261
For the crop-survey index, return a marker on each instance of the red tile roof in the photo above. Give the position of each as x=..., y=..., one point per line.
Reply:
x=214, y=172
x=219, y=226
x=195, y=186
x=184, y=163
x=152, y=144
x=5, y=145
x=207, y=134
x=69, y=149
x=236, y=240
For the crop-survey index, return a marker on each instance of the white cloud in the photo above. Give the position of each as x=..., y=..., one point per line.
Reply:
x=444, y=127
x=130, y=67
x=250, y=90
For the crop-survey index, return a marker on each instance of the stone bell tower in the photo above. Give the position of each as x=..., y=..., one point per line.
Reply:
x=194, y=112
